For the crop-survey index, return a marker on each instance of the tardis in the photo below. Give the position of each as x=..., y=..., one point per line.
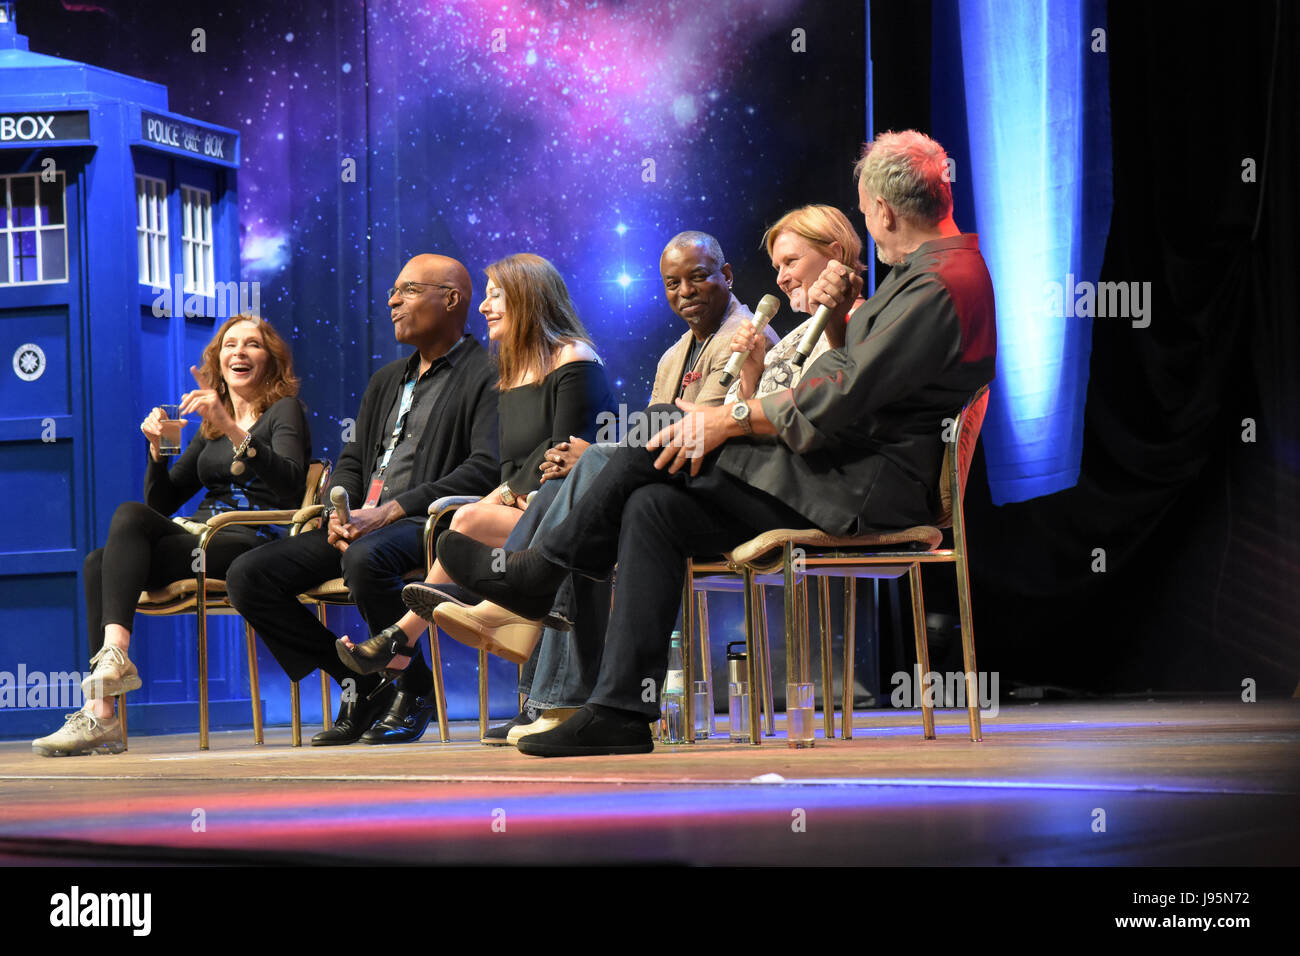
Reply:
x=118, y=255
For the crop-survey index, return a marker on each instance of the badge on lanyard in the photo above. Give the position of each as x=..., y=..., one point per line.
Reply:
x=376, y=489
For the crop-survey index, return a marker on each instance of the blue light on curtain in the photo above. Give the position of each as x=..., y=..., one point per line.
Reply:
x=1037, y=125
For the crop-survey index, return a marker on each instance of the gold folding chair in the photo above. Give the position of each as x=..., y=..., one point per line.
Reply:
x=788, y=556
x=203, y=595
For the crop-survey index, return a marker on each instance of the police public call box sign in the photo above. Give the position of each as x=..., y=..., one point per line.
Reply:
x=44, y=127
x=169, y=131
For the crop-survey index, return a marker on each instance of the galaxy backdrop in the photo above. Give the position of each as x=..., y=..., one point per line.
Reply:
x=587, y=132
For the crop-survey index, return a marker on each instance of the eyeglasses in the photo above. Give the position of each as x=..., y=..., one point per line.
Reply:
x=409, y=290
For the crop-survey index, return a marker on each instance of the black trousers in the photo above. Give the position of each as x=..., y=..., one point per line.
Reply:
x=650, y=522
x=264, y=586
x=147, y=550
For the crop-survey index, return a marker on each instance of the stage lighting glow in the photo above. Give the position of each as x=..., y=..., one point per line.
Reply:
x=1042, y=209
x=620, y=229
x=624, y=280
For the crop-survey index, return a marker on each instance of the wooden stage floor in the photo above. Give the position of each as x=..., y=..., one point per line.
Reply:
x=1180, y=783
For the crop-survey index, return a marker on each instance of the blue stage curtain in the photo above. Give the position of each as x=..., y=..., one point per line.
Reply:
x=1020, y=91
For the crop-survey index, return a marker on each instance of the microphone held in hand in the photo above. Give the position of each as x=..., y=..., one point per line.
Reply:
x=339, y=499
x=768, y=306
x=810, y=337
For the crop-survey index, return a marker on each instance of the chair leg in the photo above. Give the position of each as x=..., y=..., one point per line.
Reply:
x=753, y=663
x=706, y=656
x=326, y=702
x=295, y=709
x=439, y=689
x=254, y=684
x=688, y=656
x=968, y=649
x=828, y=677
x=850, y=632
x=120, y=703
x=482, y=694
x=202, y=611
x=765, y=662
x=922, y=650
x=326, y=698
x=797, y=665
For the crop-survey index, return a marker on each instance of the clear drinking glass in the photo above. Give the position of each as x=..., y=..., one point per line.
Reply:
x=799, y=715
x=169, y=442
x=738, y=711
x=703, y=709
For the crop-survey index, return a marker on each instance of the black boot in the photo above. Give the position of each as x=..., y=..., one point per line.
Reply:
x=355, y=717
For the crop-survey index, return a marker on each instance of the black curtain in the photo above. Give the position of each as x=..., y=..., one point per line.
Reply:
x=1199, y=526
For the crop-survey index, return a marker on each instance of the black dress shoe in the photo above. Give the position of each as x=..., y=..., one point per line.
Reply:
x=355, y=717
x=406, y=720
x=594, y=730
x=526, y=586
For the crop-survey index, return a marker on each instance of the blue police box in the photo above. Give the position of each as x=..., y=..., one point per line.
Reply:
x=118, y=219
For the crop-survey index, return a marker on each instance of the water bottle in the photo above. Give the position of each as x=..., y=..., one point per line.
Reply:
x=737, y=693
x=672, y=704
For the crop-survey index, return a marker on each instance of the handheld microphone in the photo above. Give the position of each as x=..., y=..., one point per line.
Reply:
x=768, y=306
x=810, y=337
x=339, y=499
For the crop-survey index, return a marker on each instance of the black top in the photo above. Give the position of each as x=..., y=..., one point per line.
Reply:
x=272, y=478
x=456, y=454
x=424, y=400
x=537, y=416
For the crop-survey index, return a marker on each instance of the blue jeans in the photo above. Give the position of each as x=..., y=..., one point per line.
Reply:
x=562, y=671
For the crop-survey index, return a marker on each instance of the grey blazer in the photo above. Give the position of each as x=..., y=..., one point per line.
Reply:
x=859, y=440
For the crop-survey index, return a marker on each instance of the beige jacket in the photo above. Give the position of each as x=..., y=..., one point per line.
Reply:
x=707, y=389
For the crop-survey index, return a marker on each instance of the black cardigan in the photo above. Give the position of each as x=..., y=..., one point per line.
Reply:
x=457, y=454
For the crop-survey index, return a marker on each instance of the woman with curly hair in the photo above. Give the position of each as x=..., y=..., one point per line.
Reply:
x=250, y=454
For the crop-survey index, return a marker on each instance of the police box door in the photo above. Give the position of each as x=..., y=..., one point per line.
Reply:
x=43, y=464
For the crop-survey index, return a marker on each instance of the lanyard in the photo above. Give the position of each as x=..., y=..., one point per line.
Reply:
x=408, y=398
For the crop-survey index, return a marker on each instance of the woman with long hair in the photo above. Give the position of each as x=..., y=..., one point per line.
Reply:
x=552, y=388
x=250, y=454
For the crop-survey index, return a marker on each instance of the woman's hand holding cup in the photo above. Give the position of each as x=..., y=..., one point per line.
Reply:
x=152, y=427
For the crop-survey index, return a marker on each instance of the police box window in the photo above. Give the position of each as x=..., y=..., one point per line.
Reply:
x=196, y=239
x=33, y=230
x=151, y=231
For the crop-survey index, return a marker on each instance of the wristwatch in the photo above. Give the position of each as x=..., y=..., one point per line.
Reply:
x=740, y=415
x=506, y=495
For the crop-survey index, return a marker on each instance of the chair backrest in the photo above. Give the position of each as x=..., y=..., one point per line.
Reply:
x=318, y=476
x=969, y=422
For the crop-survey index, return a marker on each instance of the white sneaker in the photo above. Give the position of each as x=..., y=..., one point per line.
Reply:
x=113, y=674
x=82, y=733
x=549, y=720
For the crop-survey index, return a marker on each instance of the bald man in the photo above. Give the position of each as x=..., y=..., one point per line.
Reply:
x=427, y=427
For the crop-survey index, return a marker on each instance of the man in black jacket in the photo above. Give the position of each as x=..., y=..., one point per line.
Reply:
x=427, y=428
